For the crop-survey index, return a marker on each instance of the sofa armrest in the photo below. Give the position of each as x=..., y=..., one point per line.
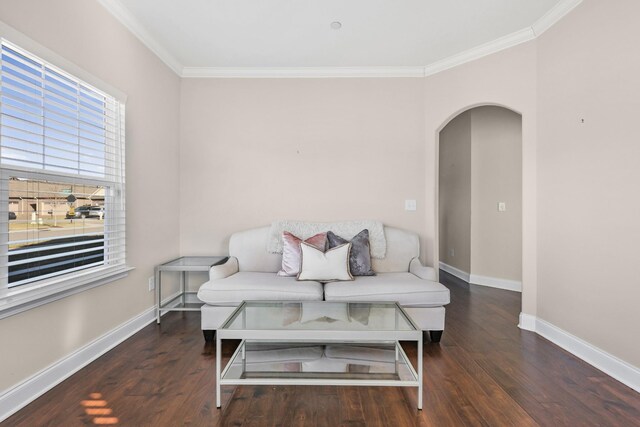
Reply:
x=224, y=270
x=423, y=272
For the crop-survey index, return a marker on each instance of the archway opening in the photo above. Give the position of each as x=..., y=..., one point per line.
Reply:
x=480, y=197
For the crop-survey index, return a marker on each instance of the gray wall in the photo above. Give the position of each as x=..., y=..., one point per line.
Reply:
x=481, y=165
x=455, y=193
x=589, y=208
x=496, y=176
x=254, y=151
x=84, y=33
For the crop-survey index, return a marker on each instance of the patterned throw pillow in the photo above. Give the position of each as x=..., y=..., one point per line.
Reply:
x=360, y=258
x=291, y=254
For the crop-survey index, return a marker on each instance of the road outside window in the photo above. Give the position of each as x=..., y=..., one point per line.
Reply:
x=54, y=228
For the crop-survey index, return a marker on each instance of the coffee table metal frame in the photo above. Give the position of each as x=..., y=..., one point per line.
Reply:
x=321, y=337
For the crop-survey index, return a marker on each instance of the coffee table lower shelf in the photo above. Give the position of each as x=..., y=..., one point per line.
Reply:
x=378, y=363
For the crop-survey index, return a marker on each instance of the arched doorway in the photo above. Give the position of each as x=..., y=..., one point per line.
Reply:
x=480, y=196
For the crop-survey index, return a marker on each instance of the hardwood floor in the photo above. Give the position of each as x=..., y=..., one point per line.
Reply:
x=485, y=372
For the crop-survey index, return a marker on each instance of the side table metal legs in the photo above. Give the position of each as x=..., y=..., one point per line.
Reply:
x=158, y=294
x=183, y=284
x=218, y=363
x=420, y=341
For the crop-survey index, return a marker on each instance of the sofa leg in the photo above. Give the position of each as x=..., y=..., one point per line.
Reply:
x=209, y=335
x=435, y=336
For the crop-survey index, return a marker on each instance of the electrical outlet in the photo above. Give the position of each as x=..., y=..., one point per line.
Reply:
x=152, y=283
x=452, y=252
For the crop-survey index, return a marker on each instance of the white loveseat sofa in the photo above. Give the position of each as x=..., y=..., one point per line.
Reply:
x=250, y=274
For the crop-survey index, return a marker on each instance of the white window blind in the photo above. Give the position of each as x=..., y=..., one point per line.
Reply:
x=62, y=181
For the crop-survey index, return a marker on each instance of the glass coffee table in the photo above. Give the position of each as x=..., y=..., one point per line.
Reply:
x=319, y=343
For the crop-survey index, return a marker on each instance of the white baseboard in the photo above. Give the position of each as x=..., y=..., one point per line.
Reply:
x=455, y=271
x=495, y=282
x=17, y=397
x=527, y=322
x=618, y=369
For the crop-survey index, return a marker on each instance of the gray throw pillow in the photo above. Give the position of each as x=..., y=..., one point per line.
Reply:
x=360, y=257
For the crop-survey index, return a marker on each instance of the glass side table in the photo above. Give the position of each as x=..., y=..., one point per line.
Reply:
x=183, y=265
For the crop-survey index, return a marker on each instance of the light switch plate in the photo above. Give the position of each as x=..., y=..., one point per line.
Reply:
x=152, y=283
x=502, y=207
x=410, y=205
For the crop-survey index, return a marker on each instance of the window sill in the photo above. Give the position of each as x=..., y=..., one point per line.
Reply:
x=14, y=301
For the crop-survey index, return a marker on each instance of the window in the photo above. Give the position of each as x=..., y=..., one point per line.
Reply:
x=62, y=175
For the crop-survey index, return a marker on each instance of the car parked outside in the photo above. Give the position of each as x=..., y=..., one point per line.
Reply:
x=86, y=211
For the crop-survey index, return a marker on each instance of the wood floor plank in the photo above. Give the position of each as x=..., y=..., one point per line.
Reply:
x=327, y=401
x=296, y=406
x=235, y=409
x=493, y=403
x=261, y=409
x=351, y=414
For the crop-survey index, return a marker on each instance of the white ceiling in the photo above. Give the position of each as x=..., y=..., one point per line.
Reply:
x=262, y=34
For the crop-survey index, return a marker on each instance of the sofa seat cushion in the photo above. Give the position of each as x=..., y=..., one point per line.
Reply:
x=247, y=285
x=406, y=288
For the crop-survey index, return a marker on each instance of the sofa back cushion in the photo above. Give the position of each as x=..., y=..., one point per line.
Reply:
x=402, y=247
x=250, y=247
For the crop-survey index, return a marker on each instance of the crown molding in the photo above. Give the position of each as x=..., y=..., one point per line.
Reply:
x=562, y=8
x=555, y=14
x=125, y=17
x=483, y=50
x=301, y=72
